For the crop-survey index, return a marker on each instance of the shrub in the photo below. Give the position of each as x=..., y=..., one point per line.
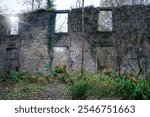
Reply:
x=108, y=85
x=2, y=77
x=60, y=73
x=91, y=86
x=124, y=87
x=16, y=75
x=79, y=90
x=141, y=90
x=101, y=90
x=59, y=70
x=131, y=89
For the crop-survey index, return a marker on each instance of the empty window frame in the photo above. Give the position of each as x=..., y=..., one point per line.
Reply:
x=14, y=24
x=105, y=21
x=61, y=24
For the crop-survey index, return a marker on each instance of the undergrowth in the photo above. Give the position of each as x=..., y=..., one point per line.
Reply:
x=108, y=85
x=104, y=85
x=16, y=85
x=23, y=91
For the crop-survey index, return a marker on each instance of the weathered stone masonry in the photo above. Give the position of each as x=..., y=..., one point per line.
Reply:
x=33, y=48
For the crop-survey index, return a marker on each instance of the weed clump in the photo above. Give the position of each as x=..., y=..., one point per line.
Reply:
x=79, y=91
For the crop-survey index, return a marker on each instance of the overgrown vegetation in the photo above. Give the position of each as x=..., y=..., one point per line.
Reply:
x=19, y=85
x=60, y=73
x=104, y=85
x=109, y=85
x=79, y=90
x=14, y=76
x=130, y=89
x=23, y=91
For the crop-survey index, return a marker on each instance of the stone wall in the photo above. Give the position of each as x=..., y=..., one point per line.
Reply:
x=131, y=37
x=33, y=48
x=27, y=51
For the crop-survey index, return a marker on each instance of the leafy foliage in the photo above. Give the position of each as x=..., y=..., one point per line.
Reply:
x=108, y=85
x=2, y=78
x=59, y=70
x=133, y=90
x=79, y=90
x=61, y=74
x=50, y=5
x=16, y=75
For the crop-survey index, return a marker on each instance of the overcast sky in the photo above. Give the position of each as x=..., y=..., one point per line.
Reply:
x=14, y=7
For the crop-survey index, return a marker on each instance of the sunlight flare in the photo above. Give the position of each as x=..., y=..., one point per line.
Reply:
x=14, y=19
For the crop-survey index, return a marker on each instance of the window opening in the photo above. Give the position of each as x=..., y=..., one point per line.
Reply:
x=61, y=24
x=14, y=24
x=105, y=21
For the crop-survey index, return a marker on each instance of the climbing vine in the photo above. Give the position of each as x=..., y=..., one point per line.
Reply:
x=51, y=27
x=52, y=36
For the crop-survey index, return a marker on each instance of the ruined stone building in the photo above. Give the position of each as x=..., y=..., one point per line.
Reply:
x=39, y=43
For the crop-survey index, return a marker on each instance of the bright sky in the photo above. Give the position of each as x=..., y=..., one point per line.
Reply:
x=14, y=7
x=70, y=3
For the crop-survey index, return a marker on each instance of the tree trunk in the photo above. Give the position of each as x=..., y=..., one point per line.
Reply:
x=138, y=61
x=82, y=40
x=32, y=5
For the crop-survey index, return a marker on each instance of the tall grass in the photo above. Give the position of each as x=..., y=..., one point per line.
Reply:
x=108, y=85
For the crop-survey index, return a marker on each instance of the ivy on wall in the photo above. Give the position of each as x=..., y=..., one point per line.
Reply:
x=53, y=37
x=51, y=28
